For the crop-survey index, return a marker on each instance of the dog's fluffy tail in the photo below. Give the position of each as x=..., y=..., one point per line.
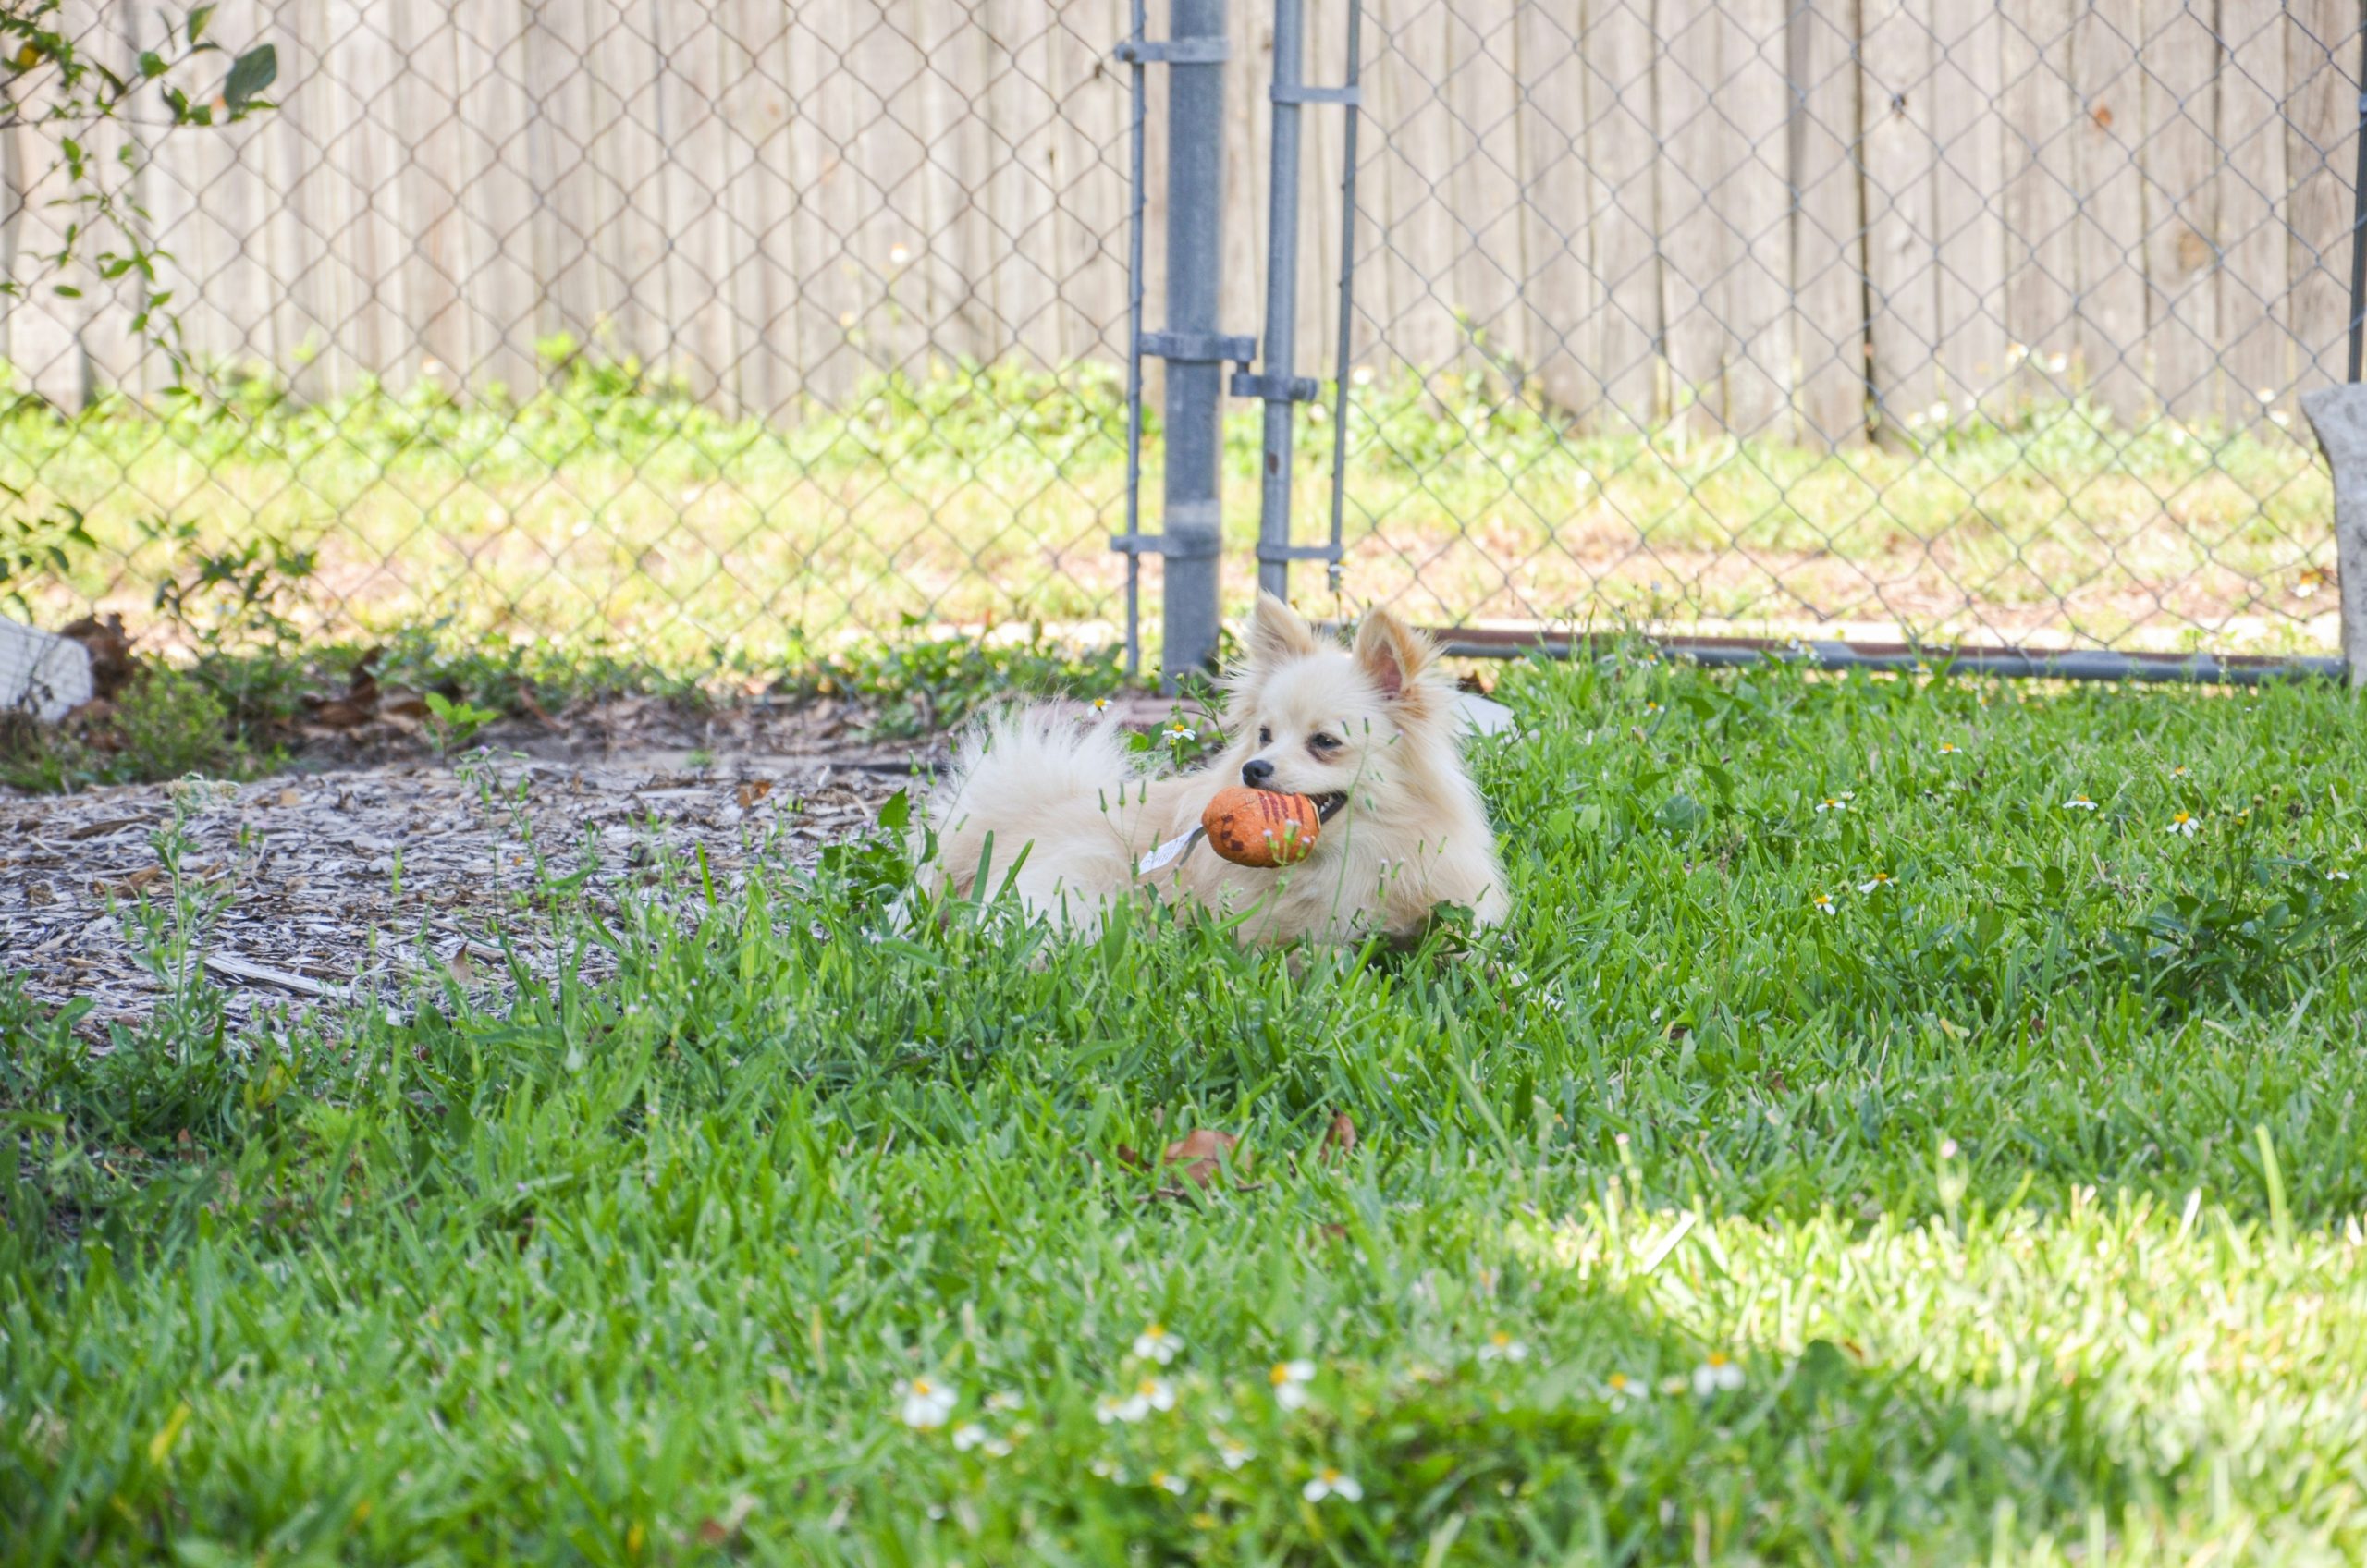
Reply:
x=1022, y=776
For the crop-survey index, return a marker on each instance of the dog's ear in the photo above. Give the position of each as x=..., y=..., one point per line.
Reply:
x=1277, y=634
x=1393, y=655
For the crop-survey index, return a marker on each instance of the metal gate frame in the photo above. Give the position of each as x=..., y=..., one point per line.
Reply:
x=1194, y=347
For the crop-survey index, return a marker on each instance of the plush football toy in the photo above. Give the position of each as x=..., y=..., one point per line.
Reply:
x=1260, y=828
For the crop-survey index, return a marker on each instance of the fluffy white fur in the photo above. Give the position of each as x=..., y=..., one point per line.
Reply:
x=1375, y=725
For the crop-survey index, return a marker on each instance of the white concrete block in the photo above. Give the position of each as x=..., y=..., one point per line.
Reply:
x=41, y=674
x=2339, y=416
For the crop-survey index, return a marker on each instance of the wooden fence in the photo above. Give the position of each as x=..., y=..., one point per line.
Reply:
x=1777, y=214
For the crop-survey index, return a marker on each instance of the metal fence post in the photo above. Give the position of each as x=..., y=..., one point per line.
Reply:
x=1191, y=534
x=1276, y=384
x=2358, y=219
x=1193, y=523
x=1280, y=350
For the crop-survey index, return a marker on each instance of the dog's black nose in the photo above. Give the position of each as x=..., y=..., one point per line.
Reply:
x=1256, y=772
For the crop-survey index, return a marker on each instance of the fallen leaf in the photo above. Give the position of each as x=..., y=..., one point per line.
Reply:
x=144, y=877
x=292, y=798
x=1340, y=1138
x=753, y=790
x=1200, y=1153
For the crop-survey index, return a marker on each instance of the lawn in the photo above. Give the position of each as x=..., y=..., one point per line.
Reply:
x=2009, y=1210
x=607, y=506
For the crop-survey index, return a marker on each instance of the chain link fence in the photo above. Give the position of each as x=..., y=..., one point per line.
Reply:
x=739, y=327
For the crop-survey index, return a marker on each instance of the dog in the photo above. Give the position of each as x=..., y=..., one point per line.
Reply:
x=1066, y=815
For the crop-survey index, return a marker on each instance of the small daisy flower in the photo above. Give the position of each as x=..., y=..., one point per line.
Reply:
x=2183, y=824
x=1717, y=1375
x=1837, y=803
x=1177, y=733
x=2337, y=876
x=2079, y=803
x=1654, y=707
x=923, y=1404
x=1672, y=1385
x=1877, y=882
x=2182, y=771
x=1108, y=1469
x=968, y=1436
x=1232, y=1455
x=1168, y=1482
x=1621, y=1391
x=1155, y=1392
x=1823, y=904
x=1101, y=704
x=1501, y=1346
x=1949, y=748
x=1290, y=1380
x=1002, y=1402
x=1155, y=1344
x=1133, y=1407
x=1331, y=1483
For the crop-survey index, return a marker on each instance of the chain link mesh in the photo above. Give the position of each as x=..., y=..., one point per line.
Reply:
x=742, y=325
x=1879, y=321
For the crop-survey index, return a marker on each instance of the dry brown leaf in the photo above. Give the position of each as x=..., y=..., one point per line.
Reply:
x=292, y=798
x=111, y=666
x=1200, y=1153
x=146, y=877
x=1340, y=1138
x=753, y=790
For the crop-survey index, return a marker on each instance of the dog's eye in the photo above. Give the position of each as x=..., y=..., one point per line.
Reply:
x=1322, y=742
x=1265, y=736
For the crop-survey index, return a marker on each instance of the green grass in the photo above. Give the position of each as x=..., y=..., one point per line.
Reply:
x=2023, y=1193
x=607, y=506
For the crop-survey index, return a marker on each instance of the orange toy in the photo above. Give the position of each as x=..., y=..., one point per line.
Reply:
x=1260, y=828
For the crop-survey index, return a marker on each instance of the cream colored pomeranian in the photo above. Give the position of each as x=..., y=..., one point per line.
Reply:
x=1371, y=733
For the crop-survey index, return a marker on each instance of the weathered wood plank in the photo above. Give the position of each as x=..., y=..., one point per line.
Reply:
x=2181, y=163
x=1902, y=237
x=2254, y=190
x=1624, y=222
x=1754, y=199
x=2322, y=64
x=1560, y=295
x=1828, y=244
x=1968, y=174
x=2041, y=173
x=2108, y=352
x=1699, y=246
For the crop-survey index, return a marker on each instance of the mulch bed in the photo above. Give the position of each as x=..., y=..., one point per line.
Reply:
x=381, y=868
